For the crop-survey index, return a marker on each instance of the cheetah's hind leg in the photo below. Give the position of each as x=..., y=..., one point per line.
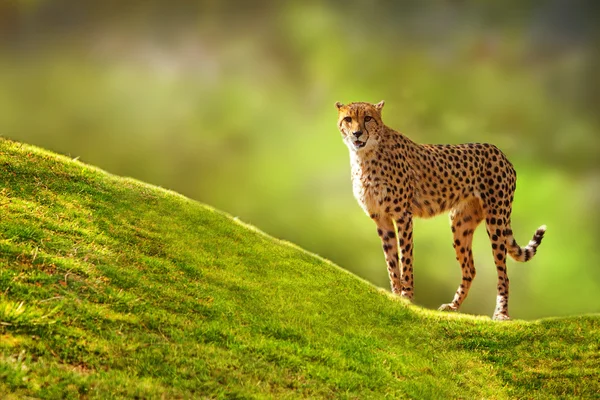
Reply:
x=464, y=220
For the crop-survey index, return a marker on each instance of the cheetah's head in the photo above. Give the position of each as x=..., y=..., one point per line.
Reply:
x=359, y=124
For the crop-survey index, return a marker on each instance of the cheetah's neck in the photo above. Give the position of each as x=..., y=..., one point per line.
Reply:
x=391, y=146
x=375, y=170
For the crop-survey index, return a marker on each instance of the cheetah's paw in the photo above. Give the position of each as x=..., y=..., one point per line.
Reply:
x=407, y=295
x=501, y=317
x=448, y=307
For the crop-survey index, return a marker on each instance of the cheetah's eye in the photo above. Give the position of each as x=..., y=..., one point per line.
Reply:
x=348, y=119
x=368, y=118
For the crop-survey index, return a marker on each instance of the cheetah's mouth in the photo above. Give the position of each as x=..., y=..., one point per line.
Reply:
x=358, y=144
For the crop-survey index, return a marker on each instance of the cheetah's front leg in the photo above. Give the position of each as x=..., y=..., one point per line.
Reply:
x=404, y=223
x=387, y=233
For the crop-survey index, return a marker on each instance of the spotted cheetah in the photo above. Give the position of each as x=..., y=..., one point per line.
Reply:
x=395, y=179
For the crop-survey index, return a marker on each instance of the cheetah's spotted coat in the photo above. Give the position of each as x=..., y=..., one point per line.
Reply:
x=395, y=179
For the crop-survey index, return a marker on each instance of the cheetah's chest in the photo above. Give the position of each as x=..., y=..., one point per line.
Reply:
x=373, y=192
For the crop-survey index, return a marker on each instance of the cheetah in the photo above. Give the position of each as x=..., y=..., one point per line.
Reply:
x=395, y=179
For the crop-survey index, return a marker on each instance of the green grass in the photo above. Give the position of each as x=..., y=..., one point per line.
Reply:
x=113, y=288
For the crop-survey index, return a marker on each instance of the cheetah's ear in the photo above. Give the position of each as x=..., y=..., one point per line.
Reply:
x=339, y=105
x=379, y=105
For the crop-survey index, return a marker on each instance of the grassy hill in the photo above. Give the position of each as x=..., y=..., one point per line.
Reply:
x=113, y=288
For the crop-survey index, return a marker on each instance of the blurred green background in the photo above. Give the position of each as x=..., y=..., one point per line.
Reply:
x=231, y=104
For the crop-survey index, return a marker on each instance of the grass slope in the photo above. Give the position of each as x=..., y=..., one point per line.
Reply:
x=113, y=288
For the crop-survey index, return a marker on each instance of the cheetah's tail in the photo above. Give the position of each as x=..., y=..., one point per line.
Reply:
x=524, y=254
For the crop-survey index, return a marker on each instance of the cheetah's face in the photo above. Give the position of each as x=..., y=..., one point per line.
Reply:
x=359, y=124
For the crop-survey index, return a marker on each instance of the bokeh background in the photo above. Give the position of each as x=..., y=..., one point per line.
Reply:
x=231, y=104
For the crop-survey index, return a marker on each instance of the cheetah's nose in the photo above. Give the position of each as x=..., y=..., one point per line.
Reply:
x=357, y=134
